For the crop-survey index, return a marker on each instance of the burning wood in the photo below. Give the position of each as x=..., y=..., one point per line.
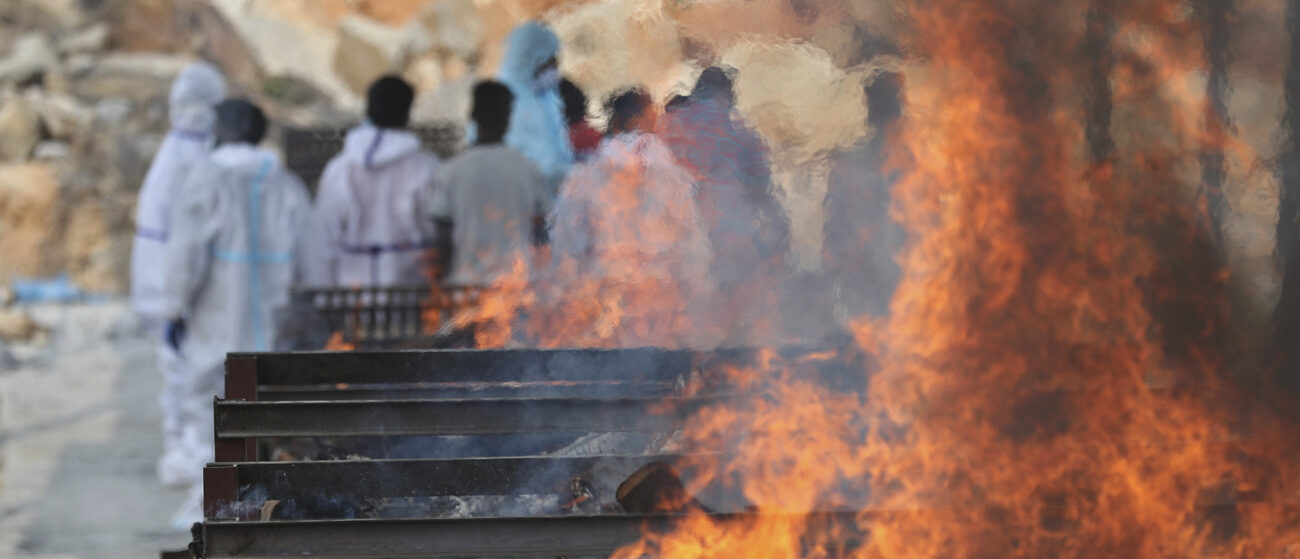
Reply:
x=656, y=487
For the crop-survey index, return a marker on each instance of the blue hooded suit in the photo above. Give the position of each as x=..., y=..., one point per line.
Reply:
x=537, y=126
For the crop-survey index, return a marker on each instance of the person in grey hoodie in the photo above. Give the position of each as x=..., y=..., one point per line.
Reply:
x=373, y=203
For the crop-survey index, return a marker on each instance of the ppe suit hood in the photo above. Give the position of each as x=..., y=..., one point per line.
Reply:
x=375, y=147
x=196, y=90
x=529, y=46
x=246, y=159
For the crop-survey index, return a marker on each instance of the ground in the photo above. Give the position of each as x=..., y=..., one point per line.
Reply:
x=79, y=435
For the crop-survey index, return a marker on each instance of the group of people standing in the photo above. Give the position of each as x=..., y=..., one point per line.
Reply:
x=680, y=201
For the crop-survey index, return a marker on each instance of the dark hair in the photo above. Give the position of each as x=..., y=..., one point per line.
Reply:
x=388, y=103
x=625, y=106
x=239, y=121
x=676, y=102
x=491, y=111
x=713, y=82
x=575, y=102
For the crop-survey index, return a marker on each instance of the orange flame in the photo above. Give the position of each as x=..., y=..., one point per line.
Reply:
x=1051, y=380
x=337, y=343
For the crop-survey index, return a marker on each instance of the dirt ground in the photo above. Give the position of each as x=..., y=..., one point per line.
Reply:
x=79, y=434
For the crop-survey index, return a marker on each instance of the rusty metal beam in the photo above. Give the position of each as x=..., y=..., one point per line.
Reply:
x=359, y=479
x=547, y=536
x=460, y=390
x=244, y=420
x=524, y=365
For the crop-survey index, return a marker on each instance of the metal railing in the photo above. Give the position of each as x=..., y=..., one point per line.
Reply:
x=371, y=317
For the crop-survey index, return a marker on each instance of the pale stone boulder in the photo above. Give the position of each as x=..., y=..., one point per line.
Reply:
x=30, y=56
x=19, y=128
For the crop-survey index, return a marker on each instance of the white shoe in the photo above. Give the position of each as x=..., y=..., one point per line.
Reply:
x=191, y=510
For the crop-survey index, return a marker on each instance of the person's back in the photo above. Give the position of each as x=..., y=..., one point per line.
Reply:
x=582, y=136
x=241, y=229
x=747, y=227
x=745, y=219
x=627, y=223
x=374, y=196
x=239, y=243
x=537, y=126
x=491, y=195
x=196, y=90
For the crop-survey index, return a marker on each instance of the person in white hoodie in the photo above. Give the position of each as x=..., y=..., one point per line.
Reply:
x=239, y=240
x=198, y=87
x=373, y=204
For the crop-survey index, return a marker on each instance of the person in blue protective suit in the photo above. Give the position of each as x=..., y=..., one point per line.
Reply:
x=747, y=227
x=198, y=87
x=238, y=242
x=373, y=201
x=538, y=128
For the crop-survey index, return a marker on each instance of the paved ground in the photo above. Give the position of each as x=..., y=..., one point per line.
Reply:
x=78, y=440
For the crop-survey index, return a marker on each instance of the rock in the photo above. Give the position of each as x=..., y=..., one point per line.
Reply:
x=448, y=102
x=367, y=50
x=221, y=44
x=27, y=59
x=425, y=73
x=94, y=256
x=152, y=25
x=28, y=193
x=90, y=39
x=281, y=44
x=17, y=326
x=19, y=128
x=51, y=150
x=611, y=44
x=111, y=112
x=797, y=99
x=61, y=14
x=137, y=76
x=456, y=26
x=79, y=65
x=63, y=117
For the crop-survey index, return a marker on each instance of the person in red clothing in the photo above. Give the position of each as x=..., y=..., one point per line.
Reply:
x=584, y=138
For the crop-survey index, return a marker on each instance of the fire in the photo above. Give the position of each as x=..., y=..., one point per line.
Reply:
x=337, y=343
x=1051, y=380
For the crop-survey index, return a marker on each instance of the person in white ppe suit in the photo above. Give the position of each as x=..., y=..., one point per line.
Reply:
x=626, y=229
x=374, y=197
x=538, y=128
x=198, y=87
x=239, y=233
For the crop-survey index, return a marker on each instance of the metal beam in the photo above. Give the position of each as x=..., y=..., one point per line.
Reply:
x=469, y=366
x=486, y=365
x=359, y=479
x=460, y=391
x=239, y=420
x=461, y=537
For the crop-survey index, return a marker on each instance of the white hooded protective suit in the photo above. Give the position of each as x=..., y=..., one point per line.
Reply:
x=196, y=90
x=537, y=126
x=238, y=243
x=373, y=208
